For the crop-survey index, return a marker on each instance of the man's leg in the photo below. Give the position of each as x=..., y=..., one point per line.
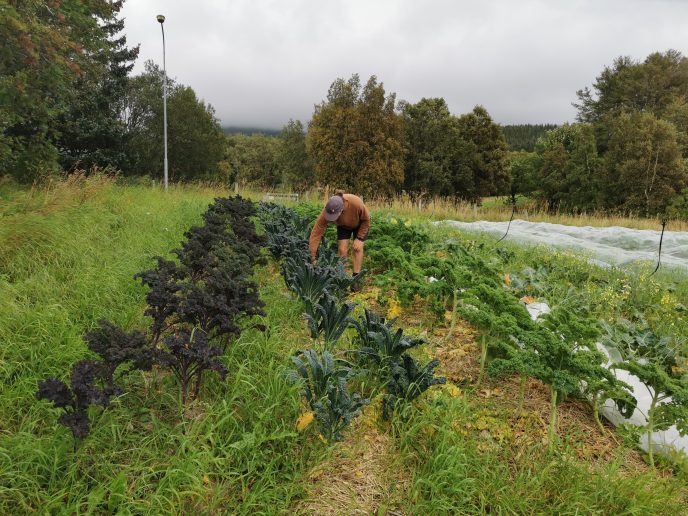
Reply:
x=357, y=258
x=343, y=248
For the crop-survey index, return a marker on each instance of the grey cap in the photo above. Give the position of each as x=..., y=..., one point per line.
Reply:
x=334, y=208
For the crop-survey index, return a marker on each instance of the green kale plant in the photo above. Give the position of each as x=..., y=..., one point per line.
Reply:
x=385, y=346
x=407, y=381
x=369, y=322
x=560, y=353
x=653, y=359
x=312, y=284
x=330, y=321
x=323, y=383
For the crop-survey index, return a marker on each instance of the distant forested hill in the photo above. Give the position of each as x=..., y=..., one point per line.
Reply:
x=250, y=130
x=524, y=136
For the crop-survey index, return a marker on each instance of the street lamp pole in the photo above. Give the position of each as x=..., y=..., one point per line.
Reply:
x=161, y=20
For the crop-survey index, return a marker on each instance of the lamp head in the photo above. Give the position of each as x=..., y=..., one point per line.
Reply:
x=160, y=18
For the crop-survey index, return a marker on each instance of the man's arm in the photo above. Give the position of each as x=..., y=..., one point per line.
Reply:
x=364, y=217
x=316, y=234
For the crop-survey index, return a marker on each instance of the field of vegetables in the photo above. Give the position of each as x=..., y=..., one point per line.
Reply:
x=178, y=352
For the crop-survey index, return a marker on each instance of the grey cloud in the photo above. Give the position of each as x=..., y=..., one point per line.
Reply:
x=262, y=62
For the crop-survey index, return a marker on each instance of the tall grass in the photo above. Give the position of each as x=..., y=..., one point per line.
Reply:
x=497, y=209
x=455, y=473
x=67, y=256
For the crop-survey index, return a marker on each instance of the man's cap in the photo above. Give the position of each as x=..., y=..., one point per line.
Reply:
x=333, y=208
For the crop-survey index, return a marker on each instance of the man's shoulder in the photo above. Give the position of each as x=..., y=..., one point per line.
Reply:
x=353, y=198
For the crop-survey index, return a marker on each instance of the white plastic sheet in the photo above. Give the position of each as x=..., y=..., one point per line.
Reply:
x=612, y=245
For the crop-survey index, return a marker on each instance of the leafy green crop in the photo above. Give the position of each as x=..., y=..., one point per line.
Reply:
x=323, y=384
x=329, y=320
x=653, y=359
x=407, y=381
x=86, y=388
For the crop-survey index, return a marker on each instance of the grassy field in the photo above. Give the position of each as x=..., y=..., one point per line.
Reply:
x=67, y=257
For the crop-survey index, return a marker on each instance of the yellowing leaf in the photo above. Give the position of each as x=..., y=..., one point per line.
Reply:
x=394, y=308
x=453, y=390
x=393, y=221
x=507, y=279
x=322, y=438
x=528, y=299
x=206, y=479
x=304, y=420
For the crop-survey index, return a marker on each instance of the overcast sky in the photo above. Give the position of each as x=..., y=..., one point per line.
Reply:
x=262, y=62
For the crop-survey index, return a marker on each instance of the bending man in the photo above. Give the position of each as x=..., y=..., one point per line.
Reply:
x=352, y=219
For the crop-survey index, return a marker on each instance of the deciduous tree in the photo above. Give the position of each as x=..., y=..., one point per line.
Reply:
x=569, y=168
x=490, y=161
x=354, y=138
x=195, y=139
x=438, y=160
x=292, y=158
x=46, y=46
x=644, y=169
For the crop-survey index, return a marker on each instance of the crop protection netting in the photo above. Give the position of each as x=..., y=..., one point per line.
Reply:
x=606, y=246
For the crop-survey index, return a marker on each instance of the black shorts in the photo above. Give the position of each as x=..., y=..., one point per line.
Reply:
x=346, y=233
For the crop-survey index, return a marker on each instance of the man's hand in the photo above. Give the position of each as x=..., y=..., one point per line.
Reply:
x=357, y=245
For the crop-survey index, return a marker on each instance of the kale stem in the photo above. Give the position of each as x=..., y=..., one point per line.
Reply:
x=650, y=426
x=521, y=392
x=552, y=416
x=453, y=317
x=483, y=357
x=596, y=411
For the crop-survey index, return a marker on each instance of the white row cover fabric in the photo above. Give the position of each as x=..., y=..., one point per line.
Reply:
x=608, y=246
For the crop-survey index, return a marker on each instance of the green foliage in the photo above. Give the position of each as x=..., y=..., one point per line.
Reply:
x=678, y=207
x=90, y=131
x=407, y=381
x=292, y=158
x=438, y=159
x=522, y=137
x=524, y=169
x=46, y=50
x=644, y=166
x=195, y=139
x=369, y=323
x=309, y=282
x=354, y=139
x=254, y=160
x=329, y=320
x=386, y=347
x=490, y=161
x=654, y=360
x=569, y=171
x=323, y=383
x=631, y=86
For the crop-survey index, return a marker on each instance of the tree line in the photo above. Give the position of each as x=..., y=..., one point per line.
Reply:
x=68, y=102
x=626, y=152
